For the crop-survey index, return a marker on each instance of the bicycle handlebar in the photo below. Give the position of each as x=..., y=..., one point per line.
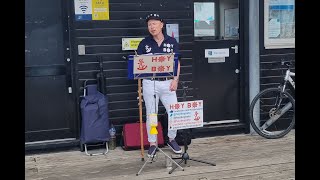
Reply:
x=287, y=63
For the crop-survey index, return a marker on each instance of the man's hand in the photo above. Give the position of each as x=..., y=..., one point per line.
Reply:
x=174, y=85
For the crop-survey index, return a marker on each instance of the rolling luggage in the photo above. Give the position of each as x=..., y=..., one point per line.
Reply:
x=131, y=136
x=95, y=120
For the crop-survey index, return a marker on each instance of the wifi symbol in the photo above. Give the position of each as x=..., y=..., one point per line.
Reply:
x=83, y=8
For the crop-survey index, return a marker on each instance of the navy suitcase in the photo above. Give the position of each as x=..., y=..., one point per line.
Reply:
x=95, y=120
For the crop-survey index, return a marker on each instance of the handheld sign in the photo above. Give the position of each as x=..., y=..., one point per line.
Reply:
x=152, y=65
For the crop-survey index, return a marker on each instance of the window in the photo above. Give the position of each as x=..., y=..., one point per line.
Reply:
x=279, y=24
x=204, y=19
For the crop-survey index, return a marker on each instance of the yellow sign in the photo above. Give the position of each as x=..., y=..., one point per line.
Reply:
x=130, y=43
x=100, y=9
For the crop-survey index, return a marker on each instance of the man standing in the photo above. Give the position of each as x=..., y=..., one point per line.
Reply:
x=159, y=88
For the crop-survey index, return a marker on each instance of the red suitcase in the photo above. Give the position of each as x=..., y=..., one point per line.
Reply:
x=131, y=136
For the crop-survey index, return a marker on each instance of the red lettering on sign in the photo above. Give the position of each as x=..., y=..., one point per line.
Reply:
x=161, y=59
x=182, y=105
x=141, y=65
x=168, y=67
x=153, y=68
x=171, y=106
x=154, y=59
x=194, y=104
x=161, y=68
x=168, y=58
x=177, y=106
x=189, y=105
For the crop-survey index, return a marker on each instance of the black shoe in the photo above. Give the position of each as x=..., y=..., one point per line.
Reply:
x=151, y=151
x=174, y=146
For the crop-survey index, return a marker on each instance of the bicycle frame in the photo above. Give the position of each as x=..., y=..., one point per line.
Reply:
x=284, y=109
x=288, y=78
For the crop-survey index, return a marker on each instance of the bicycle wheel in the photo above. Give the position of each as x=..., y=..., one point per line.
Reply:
x=275, y=113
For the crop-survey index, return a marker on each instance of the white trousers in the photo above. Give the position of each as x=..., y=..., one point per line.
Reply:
x=167, y=97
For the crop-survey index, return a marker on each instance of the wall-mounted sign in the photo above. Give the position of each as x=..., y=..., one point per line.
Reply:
x=91, y=9
x=173, y=31
x=213, y=53
x=183, y=115
x=130, y=43
x=217, y=60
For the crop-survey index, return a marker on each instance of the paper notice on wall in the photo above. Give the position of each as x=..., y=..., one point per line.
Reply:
x=173, y=31
x=274, y=28
x=100, y=9
x=83, y=9
x=130, y=43
x=91, y=9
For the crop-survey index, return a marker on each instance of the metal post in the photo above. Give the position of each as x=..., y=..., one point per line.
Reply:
x=254, y=55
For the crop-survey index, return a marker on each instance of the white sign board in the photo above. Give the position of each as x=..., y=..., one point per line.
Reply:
x=153, y=64
x=183, y=115
x=83, y=9
x=173, y=31
x=214, y=53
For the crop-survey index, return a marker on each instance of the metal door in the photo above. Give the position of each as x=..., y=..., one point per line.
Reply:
x=49, y=102
x=216, y=59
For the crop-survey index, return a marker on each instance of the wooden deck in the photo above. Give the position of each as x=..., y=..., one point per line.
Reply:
x=240, y=157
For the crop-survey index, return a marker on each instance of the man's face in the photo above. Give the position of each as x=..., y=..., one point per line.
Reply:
x=155, y=27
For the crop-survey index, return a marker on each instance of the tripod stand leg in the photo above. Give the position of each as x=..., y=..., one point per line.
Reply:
x=213, y=164
x=171, y=159
x=176, y=166
x=154, y=154
x=143, y=166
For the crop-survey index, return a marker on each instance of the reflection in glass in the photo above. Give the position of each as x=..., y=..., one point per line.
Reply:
x=204, y=19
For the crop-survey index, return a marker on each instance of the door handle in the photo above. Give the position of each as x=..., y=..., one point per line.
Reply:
x=235, y=49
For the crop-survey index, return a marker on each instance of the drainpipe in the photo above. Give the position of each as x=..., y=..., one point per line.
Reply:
x=254, y=57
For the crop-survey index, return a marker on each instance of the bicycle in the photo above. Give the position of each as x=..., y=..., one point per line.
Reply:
x=276, y=108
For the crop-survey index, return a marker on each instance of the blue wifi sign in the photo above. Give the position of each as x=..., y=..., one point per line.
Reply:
x=83, y=9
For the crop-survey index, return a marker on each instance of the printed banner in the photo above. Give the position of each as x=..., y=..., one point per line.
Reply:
x=183, y=115
x=153, y=64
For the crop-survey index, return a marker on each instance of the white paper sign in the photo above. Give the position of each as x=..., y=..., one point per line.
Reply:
x=83, y=9
x=217, y=52
x=274, y=28
x=173, y=31
x=183, y=115
x=153, y=64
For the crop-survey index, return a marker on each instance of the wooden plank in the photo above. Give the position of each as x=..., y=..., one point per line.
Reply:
x=237, y=157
